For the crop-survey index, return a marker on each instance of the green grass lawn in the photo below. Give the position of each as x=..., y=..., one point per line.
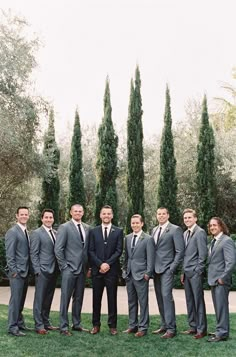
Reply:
x=102, y=344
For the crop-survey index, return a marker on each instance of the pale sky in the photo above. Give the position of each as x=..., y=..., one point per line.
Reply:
x=189, y=44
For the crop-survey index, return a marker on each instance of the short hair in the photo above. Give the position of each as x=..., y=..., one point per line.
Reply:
x=136, y=215
x=21, y=207
x=107, y=207
x=164, y=208
x=190, y=210
x=221, y=223
x=47, y=210
x=76, y=204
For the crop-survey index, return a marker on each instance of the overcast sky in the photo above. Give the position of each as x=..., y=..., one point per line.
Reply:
x=189, y=44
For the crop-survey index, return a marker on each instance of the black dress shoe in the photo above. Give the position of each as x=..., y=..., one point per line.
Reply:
x=17, y=333
x=217, y=339
x=25, y=328
x=80, y=329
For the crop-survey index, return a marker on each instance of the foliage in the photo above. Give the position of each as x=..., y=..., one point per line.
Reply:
x=76, y=180
x=168, y=183
x=51, y=183
x=206, y=170
x=106, y=166
x=135, y=173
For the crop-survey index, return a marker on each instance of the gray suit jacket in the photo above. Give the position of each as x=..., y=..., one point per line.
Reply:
x=42, y=251
x=17, y=251
x=69, y=250
x=169, y=249
x=195, y=253
x=221, y=261
x=141, y=260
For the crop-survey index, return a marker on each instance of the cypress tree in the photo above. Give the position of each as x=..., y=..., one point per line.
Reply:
x=76, y=179
x=168, y=183
x=135, y=174
x=106, y=165
x=205, y=169
x=51, y=183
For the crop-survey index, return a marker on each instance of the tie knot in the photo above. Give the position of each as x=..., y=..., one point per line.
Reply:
x=135, y=235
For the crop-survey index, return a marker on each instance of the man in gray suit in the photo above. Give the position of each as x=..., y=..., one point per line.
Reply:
x=137, y=270
x=45, y=267
x=169, y=254
x=17, y=256
x=71, y=250
x=193, y=274
x=222, y=262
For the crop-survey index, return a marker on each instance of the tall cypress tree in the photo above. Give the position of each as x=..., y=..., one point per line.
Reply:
x=76, y=179
x=106, y=165
x=168, y=183
x=51, y=183
x=205, y=169
x=135, y=174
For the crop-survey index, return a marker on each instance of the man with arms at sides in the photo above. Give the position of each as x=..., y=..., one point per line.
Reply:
x=105, y=249
x=17, y=257
x=222, y=260
x=169, y=252
x=71, y=250
x=195, y=256
x=44, y=263
x=137, y=270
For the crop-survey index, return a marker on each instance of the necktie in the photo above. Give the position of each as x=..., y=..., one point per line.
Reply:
x=53, y=238
x=133, y=242
x=27, y=237
x=159, y=234
x=212, y=244
x=81, y=234
x=105, y=235
x=187, y=237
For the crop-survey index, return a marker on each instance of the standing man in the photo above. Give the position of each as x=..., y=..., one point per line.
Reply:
x=105, y=248
x=195, y=239
x=17, y=256
x=222, y=262
x=71, y=250
x=169, y=254
x=45, y=267
x=137, y=270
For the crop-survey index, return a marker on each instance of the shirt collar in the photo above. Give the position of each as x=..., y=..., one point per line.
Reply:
x=218, y=236
x=164, y=226
x=108, y=226
x=46, y=228
x=138, y=234
x=22, y=227
x=192, y=228
x=75, y=222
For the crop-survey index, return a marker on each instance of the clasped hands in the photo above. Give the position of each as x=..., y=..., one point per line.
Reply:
x=104, y=268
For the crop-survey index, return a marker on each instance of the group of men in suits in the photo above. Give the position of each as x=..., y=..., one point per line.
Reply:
x=78, y=250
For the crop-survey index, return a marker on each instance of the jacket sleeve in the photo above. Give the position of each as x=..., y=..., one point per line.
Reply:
x=34, y=251
x=60, y=245
x=178, y=240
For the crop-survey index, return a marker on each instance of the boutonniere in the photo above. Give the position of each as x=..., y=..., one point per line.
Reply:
x=142, y=237
x=112, y=230
x=167, y=230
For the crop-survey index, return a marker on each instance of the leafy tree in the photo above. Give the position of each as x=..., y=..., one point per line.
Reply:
x=76, y=180
x=206, y=169
x=135, y=173
x=168, y=183
x=51, y=183
x=106, y=165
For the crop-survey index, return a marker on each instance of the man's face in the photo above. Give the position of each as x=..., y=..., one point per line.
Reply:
x=136, y=224
x=214, y=227
x=22, y=216
x=189, y=219
x=162, y=216
x=48, y=219
x=106, y=215
x=77, y=213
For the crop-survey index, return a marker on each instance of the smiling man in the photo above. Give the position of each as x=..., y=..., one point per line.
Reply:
x=137, y=270
x=105, y=249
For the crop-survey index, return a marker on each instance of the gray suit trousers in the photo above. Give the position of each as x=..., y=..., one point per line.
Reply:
x=19, y=288
x=138, y=293
x=163, y=284
x=45, y=285
x=194, y=293
x=220, y=297
x=71, y=285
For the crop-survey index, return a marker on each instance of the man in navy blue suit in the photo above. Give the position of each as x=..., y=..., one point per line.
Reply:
x=105, y=249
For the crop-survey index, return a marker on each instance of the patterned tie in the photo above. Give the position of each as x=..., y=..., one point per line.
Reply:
x=133, y=242
x=53, y=238
x=81, y=234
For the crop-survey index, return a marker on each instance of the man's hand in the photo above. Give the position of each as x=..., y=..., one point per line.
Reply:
x=104, y=267
x=89, y=273
x=182, y=279
x=220, y=281
x=146, y=277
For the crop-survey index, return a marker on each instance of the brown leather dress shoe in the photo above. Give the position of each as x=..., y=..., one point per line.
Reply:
x=217, y=339
x=113, y=331
x=42, y=331
x=65, y=333
x=168, y=335
x=159, y=331
x=95, y=330
x=140, y=334
x=189, y=332
x=52, y=328
x=200, y=335
x=131, y=330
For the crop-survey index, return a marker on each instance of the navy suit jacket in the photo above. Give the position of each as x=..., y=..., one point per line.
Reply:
x=100, y=252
